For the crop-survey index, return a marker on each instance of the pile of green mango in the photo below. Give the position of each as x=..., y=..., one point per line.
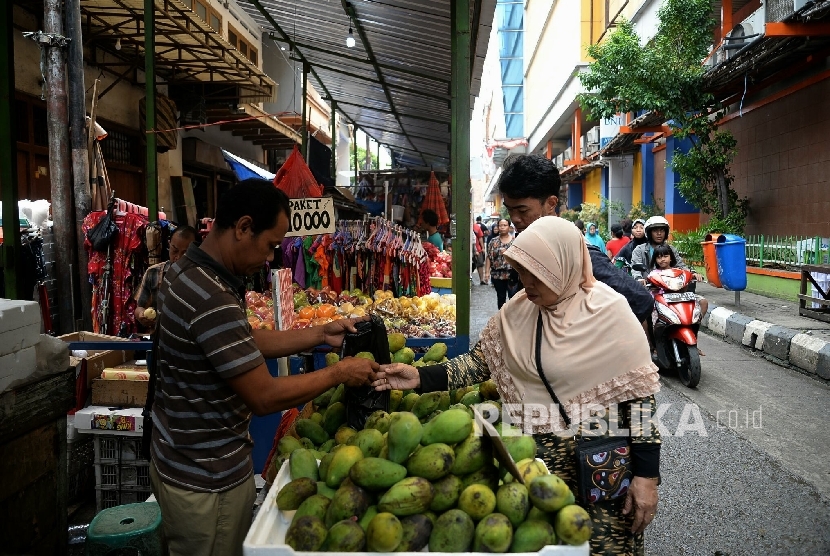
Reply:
x=421, y=476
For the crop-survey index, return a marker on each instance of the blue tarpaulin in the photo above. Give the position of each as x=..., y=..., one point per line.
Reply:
x=245, y=170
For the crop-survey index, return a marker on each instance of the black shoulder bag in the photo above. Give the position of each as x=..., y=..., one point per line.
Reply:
x=603, y=466
x=102, y=234
x=362, y=401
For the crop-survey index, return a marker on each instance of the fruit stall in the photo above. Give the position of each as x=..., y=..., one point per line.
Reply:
x=424, y=475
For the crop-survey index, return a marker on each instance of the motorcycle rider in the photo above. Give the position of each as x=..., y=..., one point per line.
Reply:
x=657, y=233
x=663, y=258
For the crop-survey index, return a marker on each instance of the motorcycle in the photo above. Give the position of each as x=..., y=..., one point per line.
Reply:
x=678, y=321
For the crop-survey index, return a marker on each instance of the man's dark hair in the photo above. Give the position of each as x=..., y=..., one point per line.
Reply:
x=529, y=175
x=478, y=219
x=581, y=225
x=256, y=198
x=626, y=226
x=429, y=217
x=187, y=232
x=617, y=231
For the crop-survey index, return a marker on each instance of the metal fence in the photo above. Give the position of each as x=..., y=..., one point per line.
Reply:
x=786, y=252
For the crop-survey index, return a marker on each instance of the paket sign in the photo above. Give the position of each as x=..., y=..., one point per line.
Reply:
x=311, y=216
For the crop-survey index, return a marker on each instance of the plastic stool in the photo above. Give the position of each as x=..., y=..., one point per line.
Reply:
x=136, y=526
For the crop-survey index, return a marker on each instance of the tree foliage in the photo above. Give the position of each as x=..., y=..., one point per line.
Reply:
x=361, y=160
x=665, y=76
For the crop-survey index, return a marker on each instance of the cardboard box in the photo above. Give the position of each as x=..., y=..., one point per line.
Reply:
x=125, y=393
x=114, y=419
x=97, y=361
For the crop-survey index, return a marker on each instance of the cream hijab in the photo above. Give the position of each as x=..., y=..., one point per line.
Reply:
x=592, y=352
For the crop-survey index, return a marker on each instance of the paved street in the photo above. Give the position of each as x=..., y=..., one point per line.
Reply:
x=732, y=486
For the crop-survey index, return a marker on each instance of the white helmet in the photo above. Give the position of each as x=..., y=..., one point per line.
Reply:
x=656, y=222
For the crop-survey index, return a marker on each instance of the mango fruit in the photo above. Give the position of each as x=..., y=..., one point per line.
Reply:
x=464, y=408
x=288, y=444
x=368, y=515
x=426, y=404
x=521, y=447
x=384, y=533
x=315, y=505
x=471, y=398
x=307, y=428
x=294, y=493
x=513, y=501
x=431, y=462
x=376, y=474
x=450, y=427
x=349, y=501
x=412, y=495
x=470, y=455
x=405, y=432
x=378, y=420
x=395, y=397
x=487, y=476
x=334, y=418
x=345, y=536
x=317, y=417
x=343, y=435
x=325, y=462
x=332, y=359
x=494, y=533
x=370, y=441
x=339, y=394
x=325, y=490
x=453, y=532
x=405, y=356
x=408, y=401
x=436, y=352
x=307, y=443
x=341, y=463
x=549, y=493
x=397, y=341
x=366, y=355
x=416, y=531
x=306, y=534
x=447, y=491
x=530, y=469
x=302, y=463
x=444, y=402
x=532, y=536
x=573, y=525
x=489, y=390
x=477, y=501
x=324, y=399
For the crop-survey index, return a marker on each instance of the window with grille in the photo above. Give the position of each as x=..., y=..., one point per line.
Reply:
x=122, y=148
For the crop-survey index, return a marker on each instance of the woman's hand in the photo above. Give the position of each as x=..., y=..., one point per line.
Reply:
x=397, y=376
x=335, y=331
x=642, y=499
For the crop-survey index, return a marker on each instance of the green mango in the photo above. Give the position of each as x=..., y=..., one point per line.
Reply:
x=335, y=418
x=341, y=464
x=431, y=462
x=339, y=394
x=307, y=428
x=288, y=444
x=303, y=464
x=549, y=493
x=325, y=490
x=426, y=404
x=416, y=531
x=487, y=476
x=512, y=500
x=453, y=532
x=450, y=427
x=489, y=390
x=366, y=355
x=408, y=401
x=368, y=515
x=573, y=525
x=317, y=417
x=345, y=536
x=410, y=496
x=370, y=442
x=306, y=534
x=384, y=533
x=521, y=447
x=294, y=493
x=532, y=536
x=436, y=352
x=447, y=491
x=471, y=398
x=477, y=501
x=395, y=397
x=470, y=456
x=343, y=435
x=405, y=356
x=326, y=446
x=494, y=533
x=325, y=398
x=403, y=437
x=378, y=420
x=444, y=402
x=349, y=501
x=332, y=359
x=376, y=474
x=397, y=341
x=315, y=505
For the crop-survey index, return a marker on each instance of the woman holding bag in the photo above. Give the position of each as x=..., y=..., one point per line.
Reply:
x=563, y=310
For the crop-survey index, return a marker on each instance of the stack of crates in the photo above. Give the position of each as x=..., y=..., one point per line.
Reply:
x=121, y=475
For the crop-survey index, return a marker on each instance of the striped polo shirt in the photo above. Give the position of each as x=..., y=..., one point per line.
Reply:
x=200, y=439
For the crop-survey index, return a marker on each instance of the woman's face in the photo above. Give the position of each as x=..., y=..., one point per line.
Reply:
x=536, y=290
x=504, y=227
x=663, y=261
x=592, y=230
x=638, y=231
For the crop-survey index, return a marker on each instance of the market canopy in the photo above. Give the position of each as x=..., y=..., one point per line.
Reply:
x=394, y=84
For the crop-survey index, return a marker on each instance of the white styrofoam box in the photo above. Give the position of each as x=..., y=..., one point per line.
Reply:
x=71, y=431
x=266, y=537
x=19, y=325
x=110, y=420
x=16, y=366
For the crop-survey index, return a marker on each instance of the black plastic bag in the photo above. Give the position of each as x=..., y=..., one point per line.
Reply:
x=103, y=233
x=362, y=401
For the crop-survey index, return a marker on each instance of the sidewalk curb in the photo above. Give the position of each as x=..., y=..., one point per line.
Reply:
x=786, y=346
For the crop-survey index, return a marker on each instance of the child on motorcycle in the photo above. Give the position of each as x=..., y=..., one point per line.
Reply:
x=663, y=258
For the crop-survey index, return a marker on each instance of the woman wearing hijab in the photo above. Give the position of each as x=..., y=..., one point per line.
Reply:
x=592, y=236
x=563, y=310
x=638, y=237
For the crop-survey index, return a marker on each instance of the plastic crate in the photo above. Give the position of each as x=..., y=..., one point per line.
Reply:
x=133, y=496
x=80, y=458
x=106, y=475
x=106, y=448
x=109, y=497
x=134, y=475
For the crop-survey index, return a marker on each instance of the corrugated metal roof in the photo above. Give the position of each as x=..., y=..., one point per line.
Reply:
x=395, y=83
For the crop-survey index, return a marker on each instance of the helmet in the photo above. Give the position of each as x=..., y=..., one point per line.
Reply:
x=656, y=222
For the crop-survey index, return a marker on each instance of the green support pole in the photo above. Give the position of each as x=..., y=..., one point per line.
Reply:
x=8, y=157
x=460, y=161
x=150, y=108
x=333, y=140
x=354, y=148
x=304, y=128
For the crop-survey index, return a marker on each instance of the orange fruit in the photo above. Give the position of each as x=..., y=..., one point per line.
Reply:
x=326, y=310
x=307, y=313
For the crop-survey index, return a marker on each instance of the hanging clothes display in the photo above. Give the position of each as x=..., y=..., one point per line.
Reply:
x=116, y=273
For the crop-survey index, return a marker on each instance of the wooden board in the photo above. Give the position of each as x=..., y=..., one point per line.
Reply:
x=123, y=393
x=33, y=405
x=184, y=209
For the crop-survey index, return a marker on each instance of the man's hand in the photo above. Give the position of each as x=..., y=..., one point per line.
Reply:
x=355, y=371
x=334, y=331
x=642, y=499
x=397, y=376
x=145, y=322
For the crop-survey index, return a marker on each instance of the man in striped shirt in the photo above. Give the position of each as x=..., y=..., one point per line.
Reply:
x=212, y=375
